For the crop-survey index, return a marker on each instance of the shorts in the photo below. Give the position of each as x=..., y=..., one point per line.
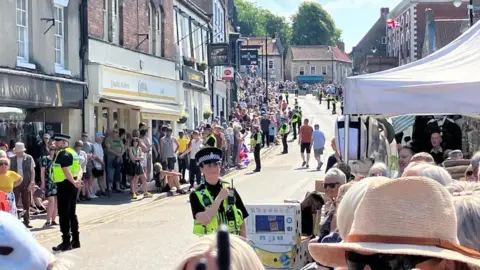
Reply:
x=97, y=172
x=169, y=164
x=305, y=147
x=137, y=169
x=318, y=151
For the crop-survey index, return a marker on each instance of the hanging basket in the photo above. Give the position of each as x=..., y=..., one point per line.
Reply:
x=207, y=115
x=188, y=61
x=182, y=120
x=202, y=66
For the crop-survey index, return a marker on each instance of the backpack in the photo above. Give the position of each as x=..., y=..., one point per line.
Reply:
x=4, y=202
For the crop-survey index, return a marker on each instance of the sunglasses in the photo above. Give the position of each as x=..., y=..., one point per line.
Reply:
x=469, y=173
x=330, y=185
x=3, y=163
x=356, y=261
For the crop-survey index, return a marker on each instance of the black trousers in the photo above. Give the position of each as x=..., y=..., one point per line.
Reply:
x=284, y=143
x=294, y=127
x=265, y=139
x=67, y=206
x=256, y=155
x=182, y=166
x=328, y=104
x=334, y=108
x=194, y=173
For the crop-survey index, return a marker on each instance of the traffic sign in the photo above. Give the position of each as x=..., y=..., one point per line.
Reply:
x=248, y=57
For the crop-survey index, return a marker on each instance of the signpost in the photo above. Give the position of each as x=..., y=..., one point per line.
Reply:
x=248, y=57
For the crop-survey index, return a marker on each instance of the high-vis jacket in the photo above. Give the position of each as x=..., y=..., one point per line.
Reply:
x=57, y=173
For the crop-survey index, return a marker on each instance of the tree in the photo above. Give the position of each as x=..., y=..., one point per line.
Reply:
x=249, y=18
x=312, y=25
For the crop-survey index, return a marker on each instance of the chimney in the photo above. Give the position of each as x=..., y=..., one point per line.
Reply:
x=341, y=46
x=384, y=12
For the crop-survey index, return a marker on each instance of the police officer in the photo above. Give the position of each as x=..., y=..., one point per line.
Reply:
x=256, y=142
x=214, y=202
x=65, y=172
x=286, y=95
x=283, y=131
x=294, y=121
x=209, y=139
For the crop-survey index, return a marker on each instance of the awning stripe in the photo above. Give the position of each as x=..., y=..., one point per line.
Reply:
x=401, y=123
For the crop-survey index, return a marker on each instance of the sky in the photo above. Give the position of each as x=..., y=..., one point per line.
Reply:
x=353, y=17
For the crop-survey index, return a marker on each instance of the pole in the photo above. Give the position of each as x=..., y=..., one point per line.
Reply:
x=266, y=68
x=470, y=13
x=333, y=73
x=211, y=75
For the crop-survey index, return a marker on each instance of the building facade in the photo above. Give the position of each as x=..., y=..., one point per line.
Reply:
x=317, y=64
x=192, y=35
x=131, y=67
x=274, y=57
x=41, y=86
x=405, y=42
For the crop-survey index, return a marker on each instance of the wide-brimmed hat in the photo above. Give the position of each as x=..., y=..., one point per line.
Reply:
x=406, y=216
x=19, y=147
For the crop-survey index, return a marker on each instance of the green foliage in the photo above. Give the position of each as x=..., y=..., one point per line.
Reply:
x=312, y=25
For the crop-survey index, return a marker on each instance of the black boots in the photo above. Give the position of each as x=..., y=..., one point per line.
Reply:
x=67, y=245
x=75, y=242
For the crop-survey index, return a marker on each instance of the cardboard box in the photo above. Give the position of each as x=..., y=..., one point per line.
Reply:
x=319, y=186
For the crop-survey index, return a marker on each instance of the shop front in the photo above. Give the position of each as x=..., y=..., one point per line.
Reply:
x=123, y=99
x=31, y=104
x=196, y=96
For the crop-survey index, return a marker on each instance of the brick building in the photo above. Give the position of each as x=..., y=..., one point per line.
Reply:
x=131, y=65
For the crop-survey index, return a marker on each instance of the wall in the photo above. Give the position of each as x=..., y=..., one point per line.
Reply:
x=130, y=26
x=42, y=46
x=339, y=76
x=277, y=64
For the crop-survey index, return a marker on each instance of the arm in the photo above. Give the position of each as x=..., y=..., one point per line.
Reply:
x=176, y=145
x=168, y=173
x=42, y=177
x=32, y=172
x=206, y=216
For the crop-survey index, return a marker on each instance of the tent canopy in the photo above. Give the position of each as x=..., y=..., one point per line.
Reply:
x=445, y=82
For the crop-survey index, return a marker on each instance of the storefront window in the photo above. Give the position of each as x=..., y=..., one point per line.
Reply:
x=18, y=125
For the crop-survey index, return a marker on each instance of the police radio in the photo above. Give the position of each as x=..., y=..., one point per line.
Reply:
x=231, y=194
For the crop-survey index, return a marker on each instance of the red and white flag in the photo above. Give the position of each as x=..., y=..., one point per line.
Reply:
x=391, y=23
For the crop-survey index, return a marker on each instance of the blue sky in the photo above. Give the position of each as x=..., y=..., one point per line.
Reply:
x=354, y=17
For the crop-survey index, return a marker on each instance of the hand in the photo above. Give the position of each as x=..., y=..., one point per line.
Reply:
x=77, y=183
x=31, y=186
x=223, y=194
x=42, y=186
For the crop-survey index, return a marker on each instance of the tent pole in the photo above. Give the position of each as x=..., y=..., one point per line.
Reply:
x=346, y=139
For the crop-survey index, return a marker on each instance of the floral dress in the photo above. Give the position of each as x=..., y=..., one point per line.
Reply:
x=50, y=187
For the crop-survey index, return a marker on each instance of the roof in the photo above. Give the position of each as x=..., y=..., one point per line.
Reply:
x=447, y=30
x=272, y=48
x=318, y=52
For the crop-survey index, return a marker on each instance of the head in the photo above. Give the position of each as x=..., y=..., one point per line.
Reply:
x=422, y=157
x=19, y=149
x=211, y=171
x=455, y=154
x=316, y=126
x=333, y=144
x=3, y=146
x=143, y=133
x=242, y=256
x=85, y=137
x=436, y=140
x=99, y=137
x=168, y=132
x=4, y=162
x=59, y=144
x=379, y=169
x=46, y=137
x=404, y=157
x=195, y=134
x=305, y=121
x=142, y=126
x=180, y=134
x=114, y=133
x=433, y=172
x=51, y=150
x=334, y=178
x=466, y=198
x=78, y=146
x=135, y=141
x=475, y=162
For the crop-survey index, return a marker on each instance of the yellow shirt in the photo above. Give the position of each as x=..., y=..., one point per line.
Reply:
x=7, y=181
x=182, y=144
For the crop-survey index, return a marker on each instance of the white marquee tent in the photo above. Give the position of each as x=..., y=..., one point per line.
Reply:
x=445, y=82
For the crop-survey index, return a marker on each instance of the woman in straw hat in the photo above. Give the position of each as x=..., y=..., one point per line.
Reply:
x=395, y=227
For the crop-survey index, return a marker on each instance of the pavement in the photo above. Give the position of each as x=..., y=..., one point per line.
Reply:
x=154, y=233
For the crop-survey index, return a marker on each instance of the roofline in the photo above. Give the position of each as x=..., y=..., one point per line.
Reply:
x=335, y=60
x=196, y=9
x=452, y=20
x=402, y=5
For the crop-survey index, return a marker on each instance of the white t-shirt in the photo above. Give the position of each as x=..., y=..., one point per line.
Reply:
x=98, y=151
x=195, y=145
x=82, y=156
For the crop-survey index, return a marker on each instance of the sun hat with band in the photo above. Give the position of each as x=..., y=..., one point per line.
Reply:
x=18, y=248
x=406, y=216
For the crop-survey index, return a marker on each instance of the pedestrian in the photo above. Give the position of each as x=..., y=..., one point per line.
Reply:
x=283, y=131
x=67, y=173
x=137, y=170
x=318, y=140
x=183, y=142
x=8, y=180
x=256, y=142
x=114, y=153
x=194, y=146
x=305, y=142
x=23, y=164
x=49, y=187
x=214, y=202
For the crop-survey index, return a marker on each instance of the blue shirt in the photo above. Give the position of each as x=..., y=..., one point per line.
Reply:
x=318, y=139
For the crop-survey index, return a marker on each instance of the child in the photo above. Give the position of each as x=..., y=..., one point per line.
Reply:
x=164, y=180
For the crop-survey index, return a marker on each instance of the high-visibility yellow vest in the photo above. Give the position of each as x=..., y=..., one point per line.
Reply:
x=284, y=129
x=294, y=118
x=57, y=173
x=234, y=222
x=211, y=136
x=259, y=139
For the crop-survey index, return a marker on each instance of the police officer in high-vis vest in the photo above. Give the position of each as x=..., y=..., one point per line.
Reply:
x=256, y=143
x=214, y=202
x=283, y=132
x=209, y=139
x=294, y=121
x=66, y=174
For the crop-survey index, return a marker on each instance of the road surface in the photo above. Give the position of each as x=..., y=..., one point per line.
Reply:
x=155, y=235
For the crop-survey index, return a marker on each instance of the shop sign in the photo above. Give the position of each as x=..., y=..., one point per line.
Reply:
x=138, y=86
x=218, y=54
x=227, y=74
x=248, y=57
x=193, y=76
x=34, y=92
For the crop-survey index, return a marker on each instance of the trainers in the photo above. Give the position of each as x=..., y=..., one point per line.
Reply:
x=147, y=195
x=134, y=196
x=47, y=224
x=304, y=163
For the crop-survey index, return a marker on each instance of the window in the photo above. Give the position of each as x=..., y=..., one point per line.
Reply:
x=270, y=64
x=158, y=35
x=301, y=70
x=324, y=70
x=154, y=25
x=22, y=34
x=197, y=43
x=111, y=28
x=59, y=37
x=313, y=70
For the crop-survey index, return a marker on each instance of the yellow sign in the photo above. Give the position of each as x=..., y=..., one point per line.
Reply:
x=195, y=77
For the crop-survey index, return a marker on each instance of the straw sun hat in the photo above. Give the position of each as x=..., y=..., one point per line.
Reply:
x=406, y=216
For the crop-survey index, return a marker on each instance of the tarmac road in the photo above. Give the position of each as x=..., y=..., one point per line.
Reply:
x=155, y=235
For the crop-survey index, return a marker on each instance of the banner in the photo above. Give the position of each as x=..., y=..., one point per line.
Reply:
x=248, y=57
x=218, y=54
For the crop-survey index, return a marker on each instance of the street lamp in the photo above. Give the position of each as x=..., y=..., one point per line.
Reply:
x=266, y=64
x=458, y=3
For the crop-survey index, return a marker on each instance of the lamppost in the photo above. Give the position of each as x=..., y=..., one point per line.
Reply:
x=266, y=64
x=458, y=3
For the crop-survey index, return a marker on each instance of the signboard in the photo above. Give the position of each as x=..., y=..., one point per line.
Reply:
x=218, y=54
x=248, y=57
x=35, y=92
x=193, y=76
x=139, y=86
x=227, y=74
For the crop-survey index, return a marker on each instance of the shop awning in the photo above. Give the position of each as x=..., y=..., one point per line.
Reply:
x=309, y=78
x=151, y=110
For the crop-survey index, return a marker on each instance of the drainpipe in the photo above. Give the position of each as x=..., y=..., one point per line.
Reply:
x=83, y=53
x=211, y=74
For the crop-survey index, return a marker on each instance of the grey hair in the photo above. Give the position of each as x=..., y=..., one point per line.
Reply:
x=467, y=208
x=475, y=161
x=436, y=173
x=337, y=174
x=463, y=186
x=380, y=166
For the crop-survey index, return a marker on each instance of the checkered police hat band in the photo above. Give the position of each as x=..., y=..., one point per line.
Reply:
x=211, y=157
